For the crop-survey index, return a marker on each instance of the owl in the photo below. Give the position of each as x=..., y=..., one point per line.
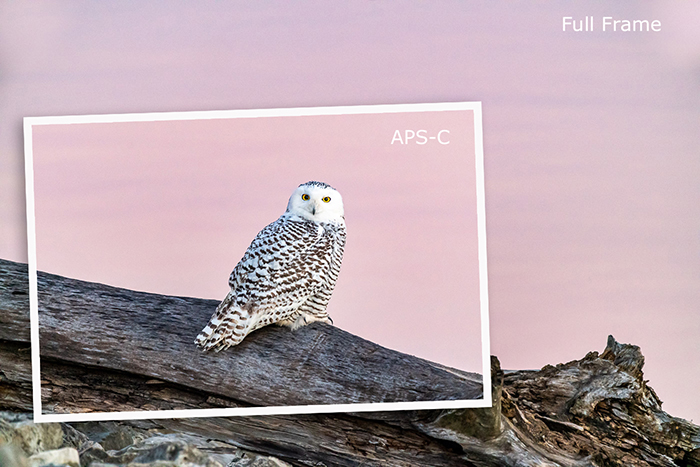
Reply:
x=288, y=273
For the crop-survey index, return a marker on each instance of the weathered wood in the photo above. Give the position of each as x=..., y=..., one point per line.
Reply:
x=597, y=411
x=14, y=301
x=15, y=376
x=152, y=336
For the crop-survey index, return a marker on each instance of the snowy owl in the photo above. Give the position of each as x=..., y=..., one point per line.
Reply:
x=288, y=273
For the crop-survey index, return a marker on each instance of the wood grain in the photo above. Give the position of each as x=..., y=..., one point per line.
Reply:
x=592, y=412
x=151, y=336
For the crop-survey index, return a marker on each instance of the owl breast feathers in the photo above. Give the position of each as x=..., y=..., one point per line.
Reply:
x=288, y=273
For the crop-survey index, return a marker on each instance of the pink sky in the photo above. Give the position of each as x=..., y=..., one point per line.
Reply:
x=591, y=139
x=170, y=207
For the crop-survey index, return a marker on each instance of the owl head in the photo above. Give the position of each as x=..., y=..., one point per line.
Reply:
x=318, y=202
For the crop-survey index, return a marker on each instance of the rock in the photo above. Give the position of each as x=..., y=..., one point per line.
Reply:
x=119, y=439
x=67, y=457
x=113, y=436
x=248, y=459
x=11, y=456
x=74, y=438
x=178, y=453
x=170, y=450
x=30, y=438
x=268, y=462
x=157, y=451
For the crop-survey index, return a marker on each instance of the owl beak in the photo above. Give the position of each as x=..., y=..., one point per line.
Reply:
x=314, y=208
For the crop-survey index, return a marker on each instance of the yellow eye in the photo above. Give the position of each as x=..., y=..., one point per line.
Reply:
x=305, y=197
x=326, y=199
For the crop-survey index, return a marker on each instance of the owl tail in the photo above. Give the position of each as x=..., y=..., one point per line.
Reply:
x=228, y=326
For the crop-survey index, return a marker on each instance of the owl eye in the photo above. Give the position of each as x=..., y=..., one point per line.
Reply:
x=305, y=197
x=326, y=199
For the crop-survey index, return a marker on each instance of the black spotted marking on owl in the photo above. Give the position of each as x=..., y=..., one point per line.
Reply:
x=317, y=184
x=288, y=273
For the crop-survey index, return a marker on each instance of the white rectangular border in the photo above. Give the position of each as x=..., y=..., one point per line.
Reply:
x=29, y=122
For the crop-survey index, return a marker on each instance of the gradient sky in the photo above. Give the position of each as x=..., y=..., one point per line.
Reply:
x=592, y=163
x=170, y=206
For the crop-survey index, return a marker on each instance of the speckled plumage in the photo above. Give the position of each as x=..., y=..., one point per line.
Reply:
x=288, y=273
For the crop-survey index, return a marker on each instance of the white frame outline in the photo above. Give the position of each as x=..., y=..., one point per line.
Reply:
x=475, y=106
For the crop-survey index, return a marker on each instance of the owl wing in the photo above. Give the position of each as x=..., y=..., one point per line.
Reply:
x=282, y=268
x=286, y=276
x=279, y=271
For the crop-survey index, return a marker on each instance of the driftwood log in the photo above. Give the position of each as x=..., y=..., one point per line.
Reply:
x=123, y=342
x=597, y=411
